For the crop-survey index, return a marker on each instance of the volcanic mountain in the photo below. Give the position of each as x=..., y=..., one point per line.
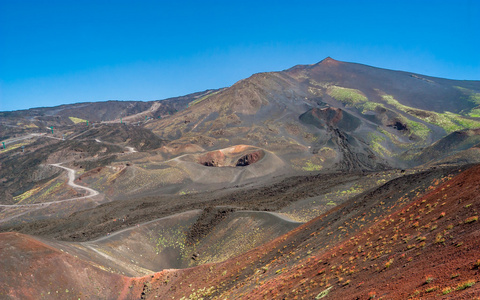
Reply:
x=331, y=115
x=334, y=180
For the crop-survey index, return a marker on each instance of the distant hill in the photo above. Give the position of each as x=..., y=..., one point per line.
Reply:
x=106, y=111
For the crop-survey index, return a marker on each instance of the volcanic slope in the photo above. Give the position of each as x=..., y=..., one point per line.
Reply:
x=400, y=247
x=91, y=269
x=454, y=148
x=239, y=148
x=330, y=115
x=215, y=235
x=33, y=270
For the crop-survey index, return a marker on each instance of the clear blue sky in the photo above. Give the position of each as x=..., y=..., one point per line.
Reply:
x=57, y=52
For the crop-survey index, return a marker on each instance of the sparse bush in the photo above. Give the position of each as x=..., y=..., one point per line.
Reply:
x=428, y=279
x=439, y=238
x=372, y=295
x=431, y=289
x=471, y=219
x=465, y=285
x=447, y=290
x=388, y=263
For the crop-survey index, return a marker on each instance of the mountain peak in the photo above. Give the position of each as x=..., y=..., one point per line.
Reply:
x=329, y=60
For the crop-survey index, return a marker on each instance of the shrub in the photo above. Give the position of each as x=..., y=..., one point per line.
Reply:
x=471, y=219
x=439, y=238
x=466, y=284
x=388, y=263
x=447, y=290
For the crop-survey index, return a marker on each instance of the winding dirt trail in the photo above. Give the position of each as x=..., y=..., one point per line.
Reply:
x=71, y=178
x=275, y=214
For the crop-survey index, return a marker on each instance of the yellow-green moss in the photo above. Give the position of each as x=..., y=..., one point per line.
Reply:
x=77, y=120
x=448, y=121
x=309, y=166
x=474, y=113
x=202, y=98
x=375, y=144
x=369, y=106
x=346, y=95
x=20, y=198
x=417, y=128
x=11, y=147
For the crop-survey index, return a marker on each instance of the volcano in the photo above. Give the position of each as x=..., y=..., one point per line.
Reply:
x=334, y=180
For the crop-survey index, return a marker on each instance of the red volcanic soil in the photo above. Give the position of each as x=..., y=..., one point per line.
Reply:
x=332, y=115
x=31, y=269
x=419, y=248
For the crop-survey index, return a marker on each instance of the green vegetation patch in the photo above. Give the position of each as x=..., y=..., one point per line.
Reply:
x=310, y=166
x=450, y=122
x=11, y=147
x=369, y=106
x=77, y=120
x=354, y=98
x=354, y=190
x=20, y=198
x=465, y=285
x=474, y=113
x=170, y=238
x=375, y=144
x=417, y=128
x=473, y=97
x=346, y=95
x=202, y=98
x=316, y=162
x=31, y=125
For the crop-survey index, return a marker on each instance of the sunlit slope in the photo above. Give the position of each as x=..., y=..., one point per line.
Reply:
x=357, y=116
x=34, y=270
